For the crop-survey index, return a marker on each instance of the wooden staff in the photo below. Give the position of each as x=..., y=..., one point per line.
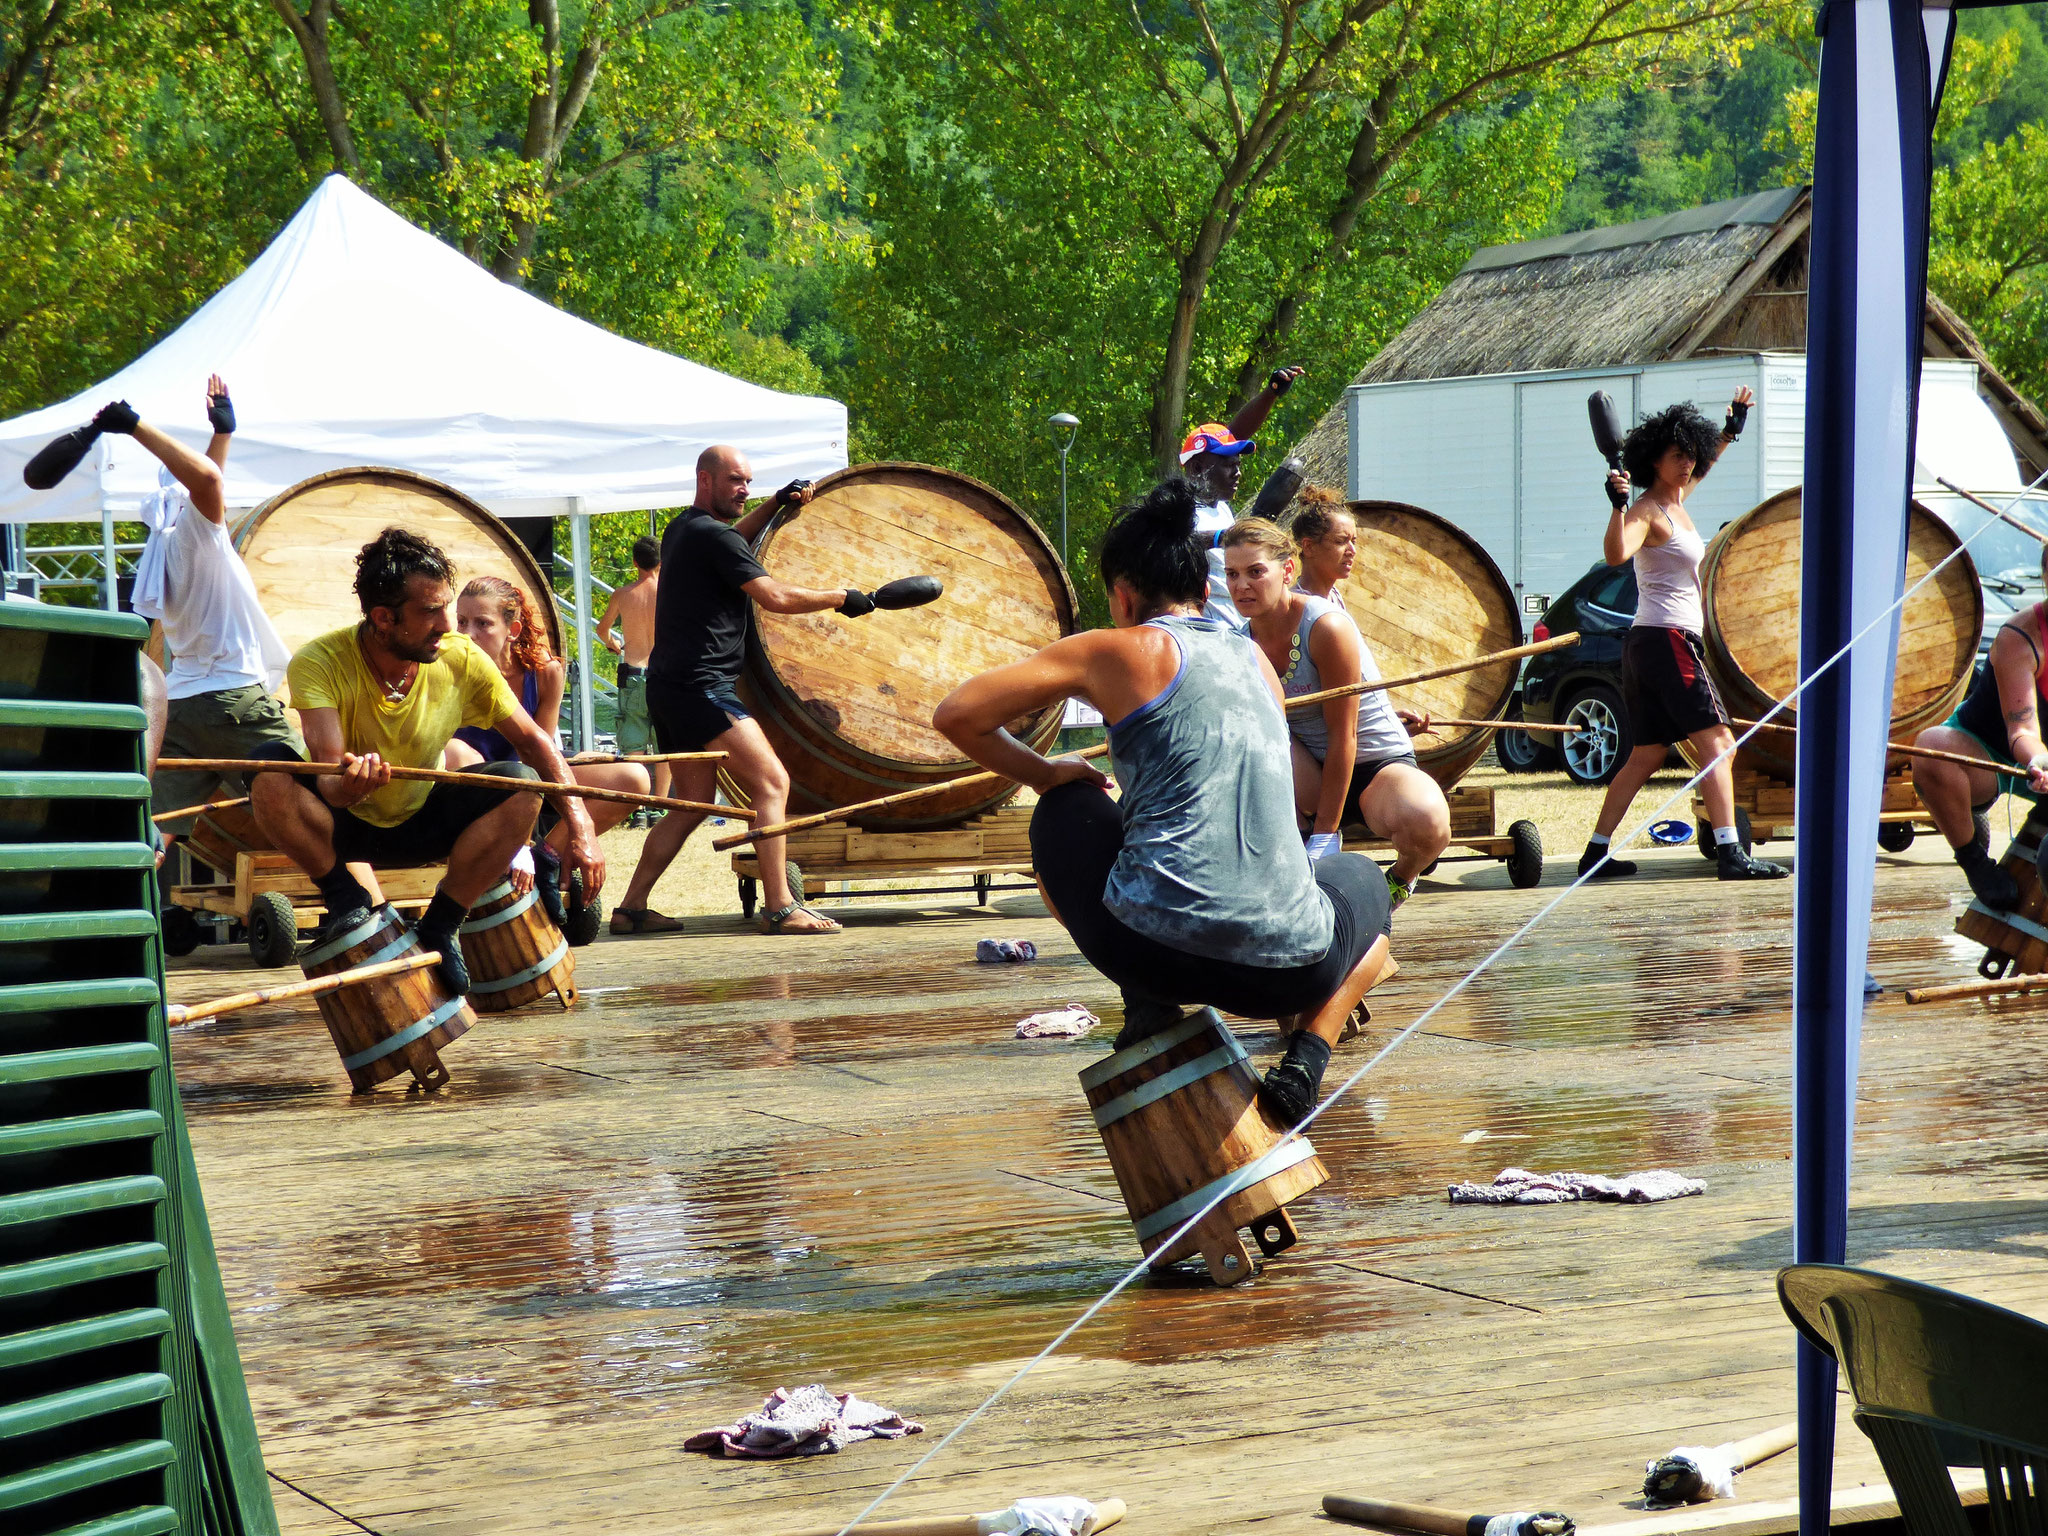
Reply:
x=2029, y=983
x=2010, y=770
x=1499, y=725
x=2003, y=516
x=447, y=776
x=867, y=807
x=1433, y=1521
x=649, y=757
x=194, y=810
x=240, y=1000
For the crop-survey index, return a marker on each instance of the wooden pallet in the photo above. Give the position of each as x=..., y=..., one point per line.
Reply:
x=978, y=850
x=1474, y=827
x=1771, y=803
x=259, y=872
x=2014, y=941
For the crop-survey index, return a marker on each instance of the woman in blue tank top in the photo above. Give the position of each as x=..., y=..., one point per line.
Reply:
x=1195, y=887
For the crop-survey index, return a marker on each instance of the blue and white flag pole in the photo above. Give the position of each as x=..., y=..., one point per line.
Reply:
x=1881, y=69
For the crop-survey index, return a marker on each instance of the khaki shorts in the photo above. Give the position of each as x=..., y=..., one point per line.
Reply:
x=634, y=728
x=231, y=723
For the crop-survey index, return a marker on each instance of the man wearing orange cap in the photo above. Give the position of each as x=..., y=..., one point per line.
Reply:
x=1212, y=458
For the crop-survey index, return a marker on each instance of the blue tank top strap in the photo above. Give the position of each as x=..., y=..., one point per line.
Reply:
x=1159, y=699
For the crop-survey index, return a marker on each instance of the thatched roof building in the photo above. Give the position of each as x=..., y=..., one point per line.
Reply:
x=1729, y=277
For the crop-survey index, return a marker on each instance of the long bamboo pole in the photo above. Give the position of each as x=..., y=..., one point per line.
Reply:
x=237, y=1001
x=903, y=797
x=1906, y=750
x=648, y=757
x=2003, y=516
x=1501, y=725
x=194, y=810
x=2016, y=983
x=448, y=776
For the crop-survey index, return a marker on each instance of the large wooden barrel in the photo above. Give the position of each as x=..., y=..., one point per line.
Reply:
x=1180, y=1119
x=2015, y=940
x=301, y=545
x=393, y=1024
x=1750, y=584
x=1425, y=595
x=514, y=952
x=847, y=703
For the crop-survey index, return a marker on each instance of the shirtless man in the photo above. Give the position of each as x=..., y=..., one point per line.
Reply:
x=632, y=608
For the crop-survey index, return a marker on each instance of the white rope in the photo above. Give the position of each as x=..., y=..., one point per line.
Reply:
x=1416, y=1024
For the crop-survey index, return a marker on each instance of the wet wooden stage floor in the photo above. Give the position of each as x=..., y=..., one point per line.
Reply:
x=745, y=1162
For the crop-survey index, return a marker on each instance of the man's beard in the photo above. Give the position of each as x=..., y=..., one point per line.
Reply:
x=424, y=652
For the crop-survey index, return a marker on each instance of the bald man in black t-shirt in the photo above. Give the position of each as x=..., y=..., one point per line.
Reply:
x=708, y=576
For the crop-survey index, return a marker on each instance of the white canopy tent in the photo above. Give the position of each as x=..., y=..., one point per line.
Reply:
x=357, y=338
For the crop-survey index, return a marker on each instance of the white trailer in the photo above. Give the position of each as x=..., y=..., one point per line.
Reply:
x=1510, y=459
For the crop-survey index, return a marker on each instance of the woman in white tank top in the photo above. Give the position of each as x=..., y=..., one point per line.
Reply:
x=1352, y=758
x=1665, y=688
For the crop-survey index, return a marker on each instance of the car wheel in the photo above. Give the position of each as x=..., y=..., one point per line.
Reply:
x=1521, y=752
x=1594, y=751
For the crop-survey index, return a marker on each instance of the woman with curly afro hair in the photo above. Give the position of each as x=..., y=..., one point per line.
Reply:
x=1664, y=682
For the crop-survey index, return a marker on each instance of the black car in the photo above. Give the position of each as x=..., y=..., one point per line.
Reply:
x=1580, y=685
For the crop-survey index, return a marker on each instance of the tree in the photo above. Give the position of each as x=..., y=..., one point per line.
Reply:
x=1989, y=250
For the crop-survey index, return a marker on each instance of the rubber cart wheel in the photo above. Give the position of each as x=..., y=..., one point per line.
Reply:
x=1705, y=836
x=181, y=931
x=1895, y=836
x=273, y=930
x=584, y=924
x=1525, y=863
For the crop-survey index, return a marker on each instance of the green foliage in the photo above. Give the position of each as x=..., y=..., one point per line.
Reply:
x=1989, y=255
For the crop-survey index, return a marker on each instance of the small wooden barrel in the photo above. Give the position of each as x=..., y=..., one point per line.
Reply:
x=1750, y=583
x=1425, y=595
x=1180, y=1119
x=393, y=1024
x=847, y=703
x=2015, y=940
x=514, y=952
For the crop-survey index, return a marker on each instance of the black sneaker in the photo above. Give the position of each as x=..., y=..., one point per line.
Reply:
x=1613, y=869
x=453, y=973
x=1291, y=1086
x=336, y=925
x=1144, y=1018
x=1738, y=863
x=1988, y=883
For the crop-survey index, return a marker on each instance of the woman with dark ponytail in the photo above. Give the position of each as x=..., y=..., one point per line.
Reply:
x=1194, y=888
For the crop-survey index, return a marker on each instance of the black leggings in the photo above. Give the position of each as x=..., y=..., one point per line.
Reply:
x=1077, y=833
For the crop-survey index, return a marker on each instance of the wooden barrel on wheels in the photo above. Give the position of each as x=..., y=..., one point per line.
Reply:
x=514, y=952
x=1180, y=1120
x=847, y=703
x=393, y=1024
x=2016, y=940
x=301, y=545
x=1750, y=585
x=1425, y=595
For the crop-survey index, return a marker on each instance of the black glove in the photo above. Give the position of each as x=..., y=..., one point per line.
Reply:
x=1738, y=418
x=220, y=411
x=790, y=492
x=1616, y=497
x=1281, y=380
x=118, y=417
x=858, y=605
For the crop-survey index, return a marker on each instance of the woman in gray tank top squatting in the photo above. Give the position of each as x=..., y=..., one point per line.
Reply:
x=1351, y=757
x=1194, y=888
x=1664, y=683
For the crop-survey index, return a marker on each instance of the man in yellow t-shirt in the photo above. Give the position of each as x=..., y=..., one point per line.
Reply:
x=388, y=692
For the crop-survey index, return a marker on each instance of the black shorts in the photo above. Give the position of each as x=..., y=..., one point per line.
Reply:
x=424, y=837
x=1665, y=687
x=689, y=719
x=1077, y=831
x=1363, y=773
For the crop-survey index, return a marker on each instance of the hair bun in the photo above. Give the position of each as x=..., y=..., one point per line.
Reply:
x=1170, y=506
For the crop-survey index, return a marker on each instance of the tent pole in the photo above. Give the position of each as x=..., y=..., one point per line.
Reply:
x=586, y=693
x=108, y=563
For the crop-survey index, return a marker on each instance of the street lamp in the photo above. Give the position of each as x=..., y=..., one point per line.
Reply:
x=1073, y=425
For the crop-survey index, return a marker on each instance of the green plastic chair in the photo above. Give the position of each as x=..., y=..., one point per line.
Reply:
x=1940, y=1380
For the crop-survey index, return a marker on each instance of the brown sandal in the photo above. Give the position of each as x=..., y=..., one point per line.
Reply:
x=627, y=921
x=772, y=922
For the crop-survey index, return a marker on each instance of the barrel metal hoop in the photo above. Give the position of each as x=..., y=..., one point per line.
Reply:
x=405, y=1036
x=478, y=925
x=355, y=935
x=521, y=978
x=2013, y=920
x=1179, y=1034
x=1275, y=1160
x=1152, y=1091
x=2029, y=852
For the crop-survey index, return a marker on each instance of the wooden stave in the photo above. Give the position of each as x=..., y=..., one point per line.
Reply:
x=354, y=1022
x=2029, y=955
x=517, y=562
x=512, y=946
x=826, y=769
x=1744, y=697
x=1482, y=695
x=1213, y=1113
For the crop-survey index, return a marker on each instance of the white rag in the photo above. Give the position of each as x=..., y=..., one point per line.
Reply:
x=1065, y=1023
x=1518, y=1186
x=1063, y=1514
x=810, y=1421
x=161, y=511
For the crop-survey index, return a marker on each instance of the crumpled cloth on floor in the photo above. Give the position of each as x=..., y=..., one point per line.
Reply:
x=1714, y=1463
x=1063, y=1514
x=1518, y=1186
x=996, y=951
x=810, y=1421
x=1066, y=1023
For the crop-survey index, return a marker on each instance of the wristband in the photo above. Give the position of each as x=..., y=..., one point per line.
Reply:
x=1738, y=418
x=523, y=859
x=1619, y=499
x=220, y=414
x=2039, y=764
x=1322, y=844
x=858, y=605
